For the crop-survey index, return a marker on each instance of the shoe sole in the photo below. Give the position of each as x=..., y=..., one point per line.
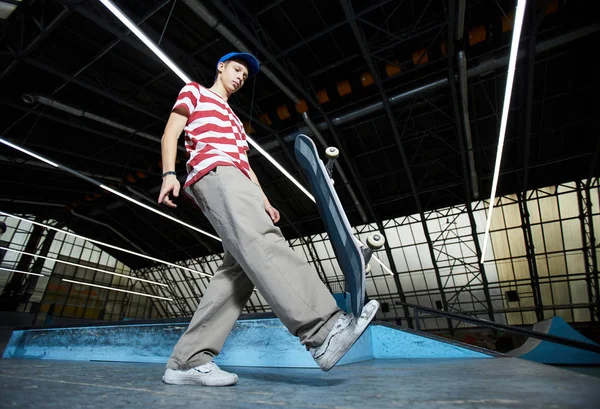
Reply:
x=345, y=347
x=194, y=380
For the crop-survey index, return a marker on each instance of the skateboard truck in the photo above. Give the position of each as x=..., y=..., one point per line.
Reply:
x=374, y=242
x=332, y=154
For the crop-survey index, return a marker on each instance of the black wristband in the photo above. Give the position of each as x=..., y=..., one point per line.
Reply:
x=170, y=172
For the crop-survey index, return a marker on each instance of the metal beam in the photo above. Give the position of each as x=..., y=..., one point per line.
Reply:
x=474, y=72
x=310, y=246
x=460, y=25
x=31, y=99
x=464, y=108
x=45, y=66
x=11, y=293
x=37, y=41
x=530, y=255
x=457, y=107
x=47, y=168
x=589, y=247
x=74, y=124
x=120, y=36
x=38, y=265
x=174, y=288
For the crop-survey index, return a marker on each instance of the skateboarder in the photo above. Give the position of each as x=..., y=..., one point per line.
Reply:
x=221, y=182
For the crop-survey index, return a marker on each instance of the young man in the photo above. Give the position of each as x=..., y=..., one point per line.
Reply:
x=223, y=185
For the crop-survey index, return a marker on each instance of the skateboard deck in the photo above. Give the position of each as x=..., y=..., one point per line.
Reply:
x=347, y=250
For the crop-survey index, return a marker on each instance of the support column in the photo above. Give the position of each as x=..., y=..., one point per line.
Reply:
x=31, y=281
x=589, y=247
x=9, y=299
x=530, y=254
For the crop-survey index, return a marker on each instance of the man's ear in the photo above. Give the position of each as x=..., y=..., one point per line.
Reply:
x=220, y=68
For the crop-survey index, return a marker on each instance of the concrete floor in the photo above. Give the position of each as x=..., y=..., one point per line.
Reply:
x=419, y=383
x=583, y=369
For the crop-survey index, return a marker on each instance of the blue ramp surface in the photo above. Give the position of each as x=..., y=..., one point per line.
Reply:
x=392, y=343
x=547, y=352
x=257, y=342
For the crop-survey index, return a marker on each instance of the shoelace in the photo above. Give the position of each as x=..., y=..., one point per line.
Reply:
x=344, y=321
x=209, y=366
x=206, y=368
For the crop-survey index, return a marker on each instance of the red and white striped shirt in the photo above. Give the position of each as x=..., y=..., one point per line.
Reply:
x=214, y=135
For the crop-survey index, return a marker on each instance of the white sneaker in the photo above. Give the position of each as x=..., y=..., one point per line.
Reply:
x=208, y=374
x=342, y=336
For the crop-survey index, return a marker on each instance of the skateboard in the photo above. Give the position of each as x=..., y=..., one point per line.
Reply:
x=352, y=256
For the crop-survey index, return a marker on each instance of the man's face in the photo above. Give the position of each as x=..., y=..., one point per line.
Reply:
x=234, y=74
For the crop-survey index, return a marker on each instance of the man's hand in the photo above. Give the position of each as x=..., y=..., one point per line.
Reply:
x=272, y=212
x=170, y=184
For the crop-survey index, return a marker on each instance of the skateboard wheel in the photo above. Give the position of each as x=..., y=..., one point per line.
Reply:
x=375, y=241
x=332, y=181
x=332, y=153
x=368, y=268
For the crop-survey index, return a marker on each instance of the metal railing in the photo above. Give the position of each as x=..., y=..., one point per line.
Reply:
x=494, y=325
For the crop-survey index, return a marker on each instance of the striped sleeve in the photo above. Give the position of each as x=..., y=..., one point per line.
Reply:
x=188, y=97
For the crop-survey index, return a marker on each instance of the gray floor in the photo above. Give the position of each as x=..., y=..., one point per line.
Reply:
x=475, y=383
x=581, y=369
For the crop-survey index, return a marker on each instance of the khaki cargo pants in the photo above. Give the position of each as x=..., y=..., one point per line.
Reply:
x=256, y=254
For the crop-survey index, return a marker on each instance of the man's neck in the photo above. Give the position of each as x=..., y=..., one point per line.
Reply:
x=220, y=90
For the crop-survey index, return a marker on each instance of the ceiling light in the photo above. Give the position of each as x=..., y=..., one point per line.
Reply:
x=86, y=267
x=21, y=149
x=512, y=62
x=117, y=289
x=7, y=8
x=22, y=272
x=135, y=30
x=68, y=233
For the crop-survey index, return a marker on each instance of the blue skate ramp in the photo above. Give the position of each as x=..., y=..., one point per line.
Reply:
x=551, y=353
x=254, y=343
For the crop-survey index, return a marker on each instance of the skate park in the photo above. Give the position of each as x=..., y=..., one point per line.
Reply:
x=465, y=136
